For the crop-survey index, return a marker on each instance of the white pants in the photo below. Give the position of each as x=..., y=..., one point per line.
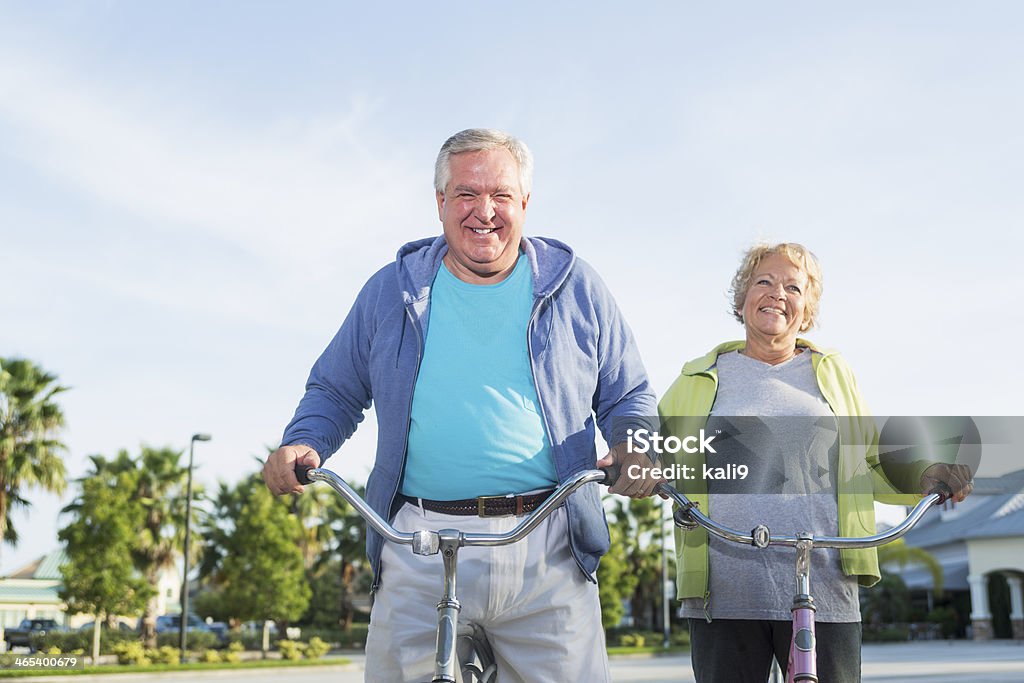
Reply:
x=541, y=615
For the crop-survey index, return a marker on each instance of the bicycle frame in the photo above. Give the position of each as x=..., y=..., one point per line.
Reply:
x=447, y=542
x=802, y=650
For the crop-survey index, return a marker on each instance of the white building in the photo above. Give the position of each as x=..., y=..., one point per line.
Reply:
x=975, y=541
x=32, y=593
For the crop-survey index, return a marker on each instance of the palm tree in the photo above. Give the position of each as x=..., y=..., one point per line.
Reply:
x=160, y=492
x=640, y=523
x=900, y=554
x=158, y=483
x=340, y=538
x=30, y=420
x=216, y=527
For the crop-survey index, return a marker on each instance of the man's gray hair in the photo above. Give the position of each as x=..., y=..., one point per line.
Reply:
x=476, y=140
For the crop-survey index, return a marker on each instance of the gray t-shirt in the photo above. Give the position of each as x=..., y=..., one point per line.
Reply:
x=774, y=420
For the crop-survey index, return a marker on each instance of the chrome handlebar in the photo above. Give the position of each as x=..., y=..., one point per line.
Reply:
x=428, y=542
x=688, y=517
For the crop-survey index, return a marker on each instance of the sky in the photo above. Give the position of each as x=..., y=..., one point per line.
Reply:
x=192, y=193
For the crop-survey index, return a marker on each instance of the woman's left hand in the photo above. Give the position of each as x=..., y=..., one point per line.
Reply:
x=956, y=477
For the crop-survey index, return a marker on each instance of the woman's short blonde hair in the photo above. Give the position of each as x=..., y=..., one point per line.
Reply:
x=800, y=256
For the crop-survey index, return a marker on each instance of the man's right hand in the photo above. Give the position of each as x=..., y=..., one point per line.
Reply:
x=279, y=470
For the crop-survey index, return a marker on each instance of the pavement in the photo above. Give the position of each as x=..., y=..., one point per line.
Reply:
x=919, y=662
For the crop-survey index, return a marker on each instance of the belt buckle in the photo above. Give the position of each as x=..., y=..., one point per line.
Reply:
x=481, y=503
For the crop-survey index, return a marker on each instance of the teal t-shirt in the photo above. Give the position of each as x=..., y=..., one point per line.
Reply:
x=476, y=428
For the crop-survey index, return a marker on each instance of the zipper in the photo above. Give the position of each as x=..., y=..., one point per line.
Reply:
x=533, y=371
x=544, y=416
x=408, y=423
x=707, y=541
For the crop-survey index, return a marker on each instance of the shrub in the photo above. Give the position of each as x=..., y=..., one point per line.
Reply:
x=316, y=648
x=233, y=653
x=70, y=641
x=291, y=649
x=336, y=637
x=212, y=657
x=892, y=633
x=632, y=640
x=197, y=640
x=945, y=617
x=680, y=638
x=131, y=653
x=165, y=655
x=250, y=640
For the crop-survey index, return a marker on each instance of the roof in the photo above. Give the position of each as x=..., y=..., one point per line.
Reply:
x=954, y=576
x=22, y=591
x=994, y=510
x=46, y=567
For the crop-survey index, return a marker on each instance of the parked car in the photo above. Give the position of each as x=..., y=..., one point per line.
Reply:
x=121, y=626
x=27, y=629
x=171, y=623
x=219, y=629
x=257, y=627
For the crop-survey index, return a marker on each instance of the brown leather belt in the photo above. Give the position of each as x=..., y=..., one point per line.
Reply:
x=484, y=506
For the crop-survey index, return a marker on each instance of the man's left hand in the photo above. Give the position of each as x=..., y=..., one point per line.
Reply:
x=640, y=486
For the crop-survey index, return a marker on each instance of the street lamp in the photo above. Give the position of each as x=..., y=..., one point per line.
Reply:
x=666, y=618
x=183, y=621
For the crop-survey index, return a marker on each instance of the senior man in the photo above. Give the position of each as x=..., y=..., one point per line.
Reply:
x=488, y=355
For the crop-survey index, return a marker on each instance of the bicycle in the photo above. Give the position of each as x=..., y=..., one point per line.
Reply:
x=462, y=649
x=802, y=664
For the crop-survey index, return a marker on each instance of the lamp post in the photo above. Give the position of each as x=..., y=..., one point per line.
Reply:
x=666, y=618
x=183, y=621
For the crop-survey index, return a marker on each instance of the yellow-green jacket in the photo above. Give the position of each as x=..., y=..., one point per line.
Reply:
x=684, y=410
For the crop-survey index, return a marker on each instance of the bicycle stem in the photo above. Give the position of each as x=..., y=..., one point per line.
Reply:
x=448, y=608
x=802, y=651
x=804, y=546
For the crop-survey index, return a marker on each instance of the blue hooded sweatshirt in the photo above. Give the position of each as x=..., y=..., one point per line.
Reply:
x=585, y=366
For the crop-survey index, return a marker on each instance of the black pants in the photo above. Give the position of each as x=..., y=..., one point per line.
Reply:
x=741, y=650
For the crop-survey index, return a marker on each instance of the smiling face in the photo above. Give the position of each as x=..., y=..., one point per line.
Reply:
x=482, y=209
x=774, y=307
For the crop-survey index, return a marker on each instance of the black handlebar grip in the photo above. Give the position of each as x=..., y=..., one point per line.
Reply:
x=941, y=488
x=302, y=473
x=611, y=474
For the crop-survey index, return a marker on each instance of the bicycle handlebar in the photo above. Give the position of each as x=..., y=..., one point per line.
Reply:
x=688, y=517
x=427, y=542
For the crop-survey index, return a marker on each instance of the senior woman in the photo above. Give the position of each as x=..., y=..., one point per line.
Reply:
x=781, y=406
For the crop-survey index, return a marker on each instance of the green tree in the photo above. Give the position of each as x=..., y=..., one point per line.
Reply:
x=252, y=556
x=99, y=578
x=887, y=602
x=639, y=523
x=615, y=582
x=334, y=540
x=216, y=527
x=158, y=491
x=30, y=421
x=161, y=494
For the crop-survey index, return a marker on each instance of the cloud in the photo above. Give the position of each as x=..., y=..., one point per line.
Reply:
x=285, y=193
